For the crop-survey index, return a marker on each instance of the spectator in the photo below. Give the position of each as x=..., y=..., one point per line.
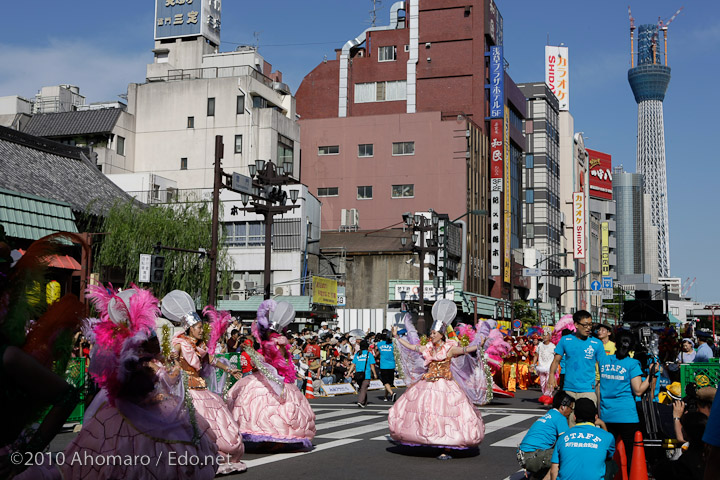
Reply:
x=691, y=464
x=234, y=341
x=585, y=451
x=711, y=437
x=323, y=330
x=312, y=350
x=620, y=379
x=246, y=365
x=704, y=352
x=581, y=353
x=386, y=356
x=364, y=364
x=326, y=372
x=344, y=347
x=687, y=351
x=536, y=449
x=704, y=399
x=603, y=332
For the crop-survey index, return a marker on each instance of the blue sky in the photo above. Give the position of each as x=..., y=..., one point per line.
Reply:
x=102, y=46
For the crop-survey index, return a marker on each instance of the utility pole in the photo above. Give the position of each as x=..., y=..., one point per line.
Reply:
x=217, y=184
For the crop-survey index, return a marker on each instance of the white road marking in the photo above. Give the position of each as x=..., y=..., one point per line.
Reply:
x=285, y=456
x=353, y=432
x=513, y=441
x=505, y=422
x=345, y=421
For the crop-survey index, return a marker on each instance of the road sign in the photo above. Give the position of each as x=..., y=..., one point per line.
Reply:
x=516, y=324
x=595, y=293
x=144, y=271
x=607, y=293
x=241, y=183
x=595, y=286
x=531, y=272
x=341, y=297
x=607, y=282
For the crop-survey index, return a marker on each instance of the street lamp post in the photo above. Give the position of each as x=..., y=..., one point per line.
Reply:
x=537, y=290
x=445, y=246
x=420, y=225
x=712, y=313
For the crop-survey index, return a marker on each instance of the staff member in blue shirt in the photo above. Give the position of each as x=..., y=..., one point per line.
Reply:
x=581, y=352
x=386, y=357
x=583, y=452
x=536, y=449
x=620, y=379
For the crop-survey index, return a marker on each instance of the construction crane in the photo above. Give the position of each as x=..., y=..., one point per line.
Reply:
x=632, y=38
x=664, y=27
x=687, y=287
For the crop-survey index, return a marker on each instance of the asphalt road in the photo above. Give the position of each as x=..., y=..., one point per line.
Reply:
x=352, y=443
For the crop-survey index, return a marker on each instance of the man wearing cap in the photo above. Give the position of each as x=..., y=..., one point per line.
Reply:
x=536, y=449
x=602, y=332
x=704, y=352
x=585, y=450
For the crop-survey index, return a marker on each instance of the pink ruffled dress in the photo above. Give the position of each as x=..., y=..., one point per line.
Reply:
x=272, y=413
x=435, y=411
x=208, y=405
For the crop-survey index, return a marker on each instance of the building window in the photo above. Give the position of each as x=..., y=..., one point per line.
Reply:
x=284, y=152
x=364, y=193
x=328, y=192
x=529, y=196
x=403, y=148
x=529, y=161
x=120, y=145
x=403, y=191
x=380, y=91
x=387, y=54
x=211, y=107
x=238, y=143
x=183, y=163
x=191, y=122
x=406, y=48
x=155, y=192
x=365, y=150
x=329, y=150
x=240, y=109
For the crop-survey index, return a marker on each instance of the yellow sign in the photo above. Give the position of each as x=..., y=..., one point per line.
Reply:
x=52, y=292
x=605, y=249
x=507, y=230
x=324, y=291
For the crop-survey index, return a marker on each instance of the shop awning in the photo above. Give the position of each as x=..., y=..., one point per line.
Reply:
x=31, y=217
x=299, y=302
x=60, y=261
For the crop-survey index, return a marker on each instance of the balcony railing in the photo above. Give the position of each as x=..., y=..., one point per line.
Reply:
x=213, y=72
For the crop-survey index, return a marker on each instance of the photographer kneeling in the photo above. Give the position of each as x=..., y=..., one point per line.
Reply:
x=620, y=379
x=536, y=449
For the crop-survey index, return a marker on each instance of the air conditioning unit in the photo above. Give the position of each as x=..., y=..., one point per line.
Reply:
x=237, y=296
x=238, y=286
x=284, y=290
x=349, y=217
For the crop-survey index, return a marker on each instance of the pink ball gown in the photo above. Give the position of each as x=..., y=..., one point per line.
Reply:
x=208, y=405
x=435, y=411
x=272, y=409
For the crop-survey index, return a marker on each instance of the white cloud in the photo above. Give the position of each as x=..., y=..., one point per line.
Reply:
x=101, y=74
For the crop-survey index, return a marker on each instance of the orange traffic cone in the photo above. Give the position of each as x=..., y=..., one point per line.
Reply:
x=621, y=459
x=638, y=469
x=309, y=390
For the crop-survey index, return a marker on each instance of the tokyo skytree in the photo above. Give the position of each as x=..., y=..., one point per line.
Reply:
x=649, y=81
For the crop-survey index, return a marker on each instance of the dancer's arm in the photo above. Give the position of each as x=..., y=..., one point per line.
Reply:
x=418, y=348
x=457, y=351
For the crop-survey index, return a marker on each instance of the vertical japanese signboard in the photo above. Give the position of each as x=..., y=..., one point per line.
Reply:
x=493, y=22
x=495, y=233
x=188, y=18
x=605, y=249
x=507, y=230
x=496, y=155
x=497, y=82
x=600, y=165
x=557, y=74
x=579, y=225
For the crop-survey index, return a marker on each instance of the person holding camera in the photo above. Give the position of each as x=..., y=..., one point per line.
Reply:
x=696, y=400
x=620, y=379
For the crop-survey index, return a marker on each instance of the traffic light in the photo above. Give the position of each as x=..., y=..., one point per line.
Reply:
x=562, y=272
x=157, y=268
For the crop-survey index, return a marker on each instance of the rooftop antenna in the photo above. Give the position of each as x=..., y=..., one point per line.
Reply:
x=664, y=27
x=373, y=12
x=257, y=39
x=632, y=38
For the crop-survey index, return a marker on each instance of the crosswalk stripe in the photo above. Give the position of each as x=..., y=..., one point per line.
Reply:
x=336, y=413
x=353, y=432
x=345, y=421
x=513, y=441
x=284, y=456
x=506, y=422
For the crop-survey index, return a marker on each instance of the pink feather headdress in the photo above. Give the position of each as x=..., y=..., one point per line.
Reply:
x=126, y=320
x=219, y=323
x=565, y=323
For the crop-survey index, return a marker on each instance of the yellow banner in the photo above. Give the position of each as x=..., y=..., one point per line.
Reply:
x=508, y=198
x=324, y=291
x=605, y=249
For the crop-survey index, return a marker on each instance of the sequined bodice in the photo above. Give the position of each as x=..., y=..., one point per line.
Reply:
x=438, y=370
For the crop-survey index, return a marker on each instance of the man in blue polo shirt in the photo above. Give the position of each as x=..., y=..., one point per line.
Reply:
x=584, y=451
x=581, y=353
x=536, y=449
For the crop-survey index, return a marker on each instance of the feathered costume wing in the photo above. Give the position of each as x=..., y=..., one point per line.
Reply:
x=219, y=323
x=565, y=323
x=412, y=363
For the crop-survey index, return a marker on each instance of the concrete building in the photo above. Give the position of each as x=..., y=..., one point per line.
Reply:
x=396, y=123
x=627, y=191
x=15, y=111
x=541, y=192
x=58, y=98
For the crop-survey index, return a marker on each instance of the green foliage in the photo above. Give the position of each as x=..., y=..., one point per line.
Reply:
x=523, y=312
x=132, y=231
